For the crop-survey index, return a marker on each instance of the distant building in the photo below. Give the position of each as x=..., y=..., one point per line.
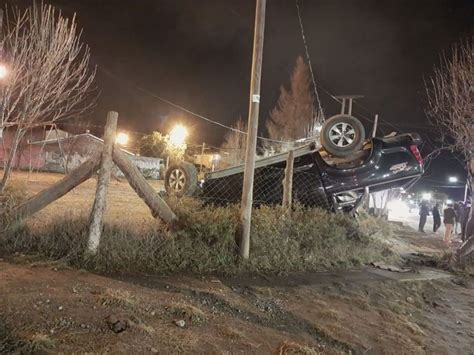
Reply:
x=28, y=156
x=61, y=152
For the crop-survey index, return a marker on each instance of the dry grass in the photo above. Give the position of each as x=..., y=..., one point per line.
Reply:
x=38, y=343
x=78, y=202
x=203, y=242
x=186, y=312
x=117, y=298
x=292, y=348
x=231, y=333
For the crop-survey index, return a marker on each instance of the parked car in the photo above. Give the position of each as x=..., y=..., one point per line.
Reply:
x=319, y=180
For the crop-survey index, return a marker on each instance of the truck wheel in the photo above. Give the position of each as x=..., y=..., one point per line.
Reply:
x=342, y=135
x=181, y=179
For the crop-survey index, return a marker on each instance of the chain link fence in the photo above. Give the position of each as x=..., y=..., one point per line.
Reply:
x=307, y=188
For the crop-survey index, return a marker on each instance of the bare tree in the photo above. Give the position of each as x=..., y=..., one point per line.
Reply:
x=451, y=101
x=294, y=116
x=49, y=74
x=234, y=144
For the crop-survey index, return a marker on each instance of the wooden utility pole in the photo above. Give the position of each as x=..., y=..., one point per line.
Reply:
x=288, y=180
x=247, y=188
x=98, y=209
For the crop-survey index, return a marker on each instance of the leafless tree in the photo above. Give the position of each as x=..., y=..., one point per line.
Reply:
x=49, y=73
x=295, y=116
x=450, y=94
x=234, y=144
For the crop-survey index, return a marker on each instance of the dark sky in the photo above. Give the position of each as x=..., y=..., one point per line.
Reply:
x=198, y=54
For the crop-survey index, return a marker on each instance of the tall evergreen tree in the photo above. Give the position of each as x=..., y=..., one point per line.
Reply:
x=294, y=116
x=234, y=144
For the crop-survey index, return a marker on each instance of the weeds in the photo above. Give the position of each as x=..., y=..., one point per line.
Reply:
x=187, y=312
x=13, y=195
x=117, y=298
x=37, y=344
x=292, y=348
x=205, y=242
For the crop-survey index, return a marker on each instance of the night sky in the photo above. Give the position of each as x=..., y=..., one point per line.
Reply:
x=198, y=55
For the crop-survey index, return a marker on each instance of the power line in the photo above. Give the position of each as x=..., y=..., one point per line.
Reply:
x=151, y=94
x=309, y=59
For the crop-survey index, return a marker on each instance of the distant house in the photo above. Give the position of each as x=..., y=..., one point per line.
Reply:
x=27, y=156
x=62, y=152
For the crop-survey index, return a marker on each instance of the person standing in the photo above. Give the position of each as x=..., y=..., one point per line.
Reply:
x=424, y=212
x=449, y=218
x=436, y=218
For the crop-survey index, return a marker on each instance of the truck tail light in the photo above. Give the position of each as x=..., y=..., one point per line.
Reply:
x=416, y=153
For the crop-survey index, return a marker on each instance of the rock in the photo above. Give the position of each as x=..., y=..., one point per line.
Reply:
x=60, y=308
x=153, y=313
x=154, y=351
x=410, y=300
x=117, y=324
x=180, y=323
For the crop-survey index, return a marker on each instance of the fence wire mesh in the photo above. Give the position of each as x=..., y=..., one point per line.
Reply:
x=307, y=188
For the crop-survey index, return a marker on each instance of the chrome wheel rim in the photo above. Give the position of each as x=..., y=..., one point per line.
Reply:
x=342, y=134
x=177, y=180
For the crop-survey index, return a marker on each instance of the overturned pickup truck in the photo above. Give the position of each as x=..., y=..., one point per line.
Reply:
x=319, y=178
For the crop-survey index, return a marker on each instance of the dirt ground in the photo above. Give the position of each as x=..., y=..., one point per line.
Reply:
x=50, y=308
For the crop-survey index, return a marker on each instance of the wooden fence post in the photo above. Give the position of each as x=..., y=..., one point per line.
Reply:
x=58, y=190
x=97, y=214
x=158, y=207
x=288, y=180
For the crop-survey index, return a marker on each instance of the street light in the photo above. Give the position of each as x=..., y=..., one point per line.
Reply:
x=178, y=135
x=453, y=179
x=3, y=71
x=122, y=138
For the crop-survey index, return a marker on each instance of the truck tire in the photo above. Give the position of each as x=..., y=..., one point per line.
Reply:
x=181, y=179
x=342, y=135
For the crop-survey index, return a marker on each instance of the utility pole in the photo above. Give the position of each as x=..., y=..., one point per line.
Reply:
x=254, y=105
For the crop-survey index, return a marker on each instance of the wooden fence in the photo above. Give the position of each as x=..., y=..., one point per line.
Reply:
x=102, y=161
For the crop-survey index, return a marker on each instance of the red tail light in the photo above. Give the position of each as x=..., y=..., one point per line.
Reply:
x=416, y=153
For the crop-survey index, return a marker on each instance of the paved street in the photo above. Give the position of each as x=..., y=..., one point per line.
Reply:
x=412, y=220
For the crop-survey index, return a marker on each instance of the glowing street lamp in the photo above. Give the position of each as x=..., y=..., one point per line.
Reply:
x=453, y=179
x=3, y=71
x=122, y=138
x=178, y=135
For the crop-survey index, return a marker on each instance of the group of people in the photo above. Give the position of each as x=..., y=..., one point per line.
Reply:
x=454, y=216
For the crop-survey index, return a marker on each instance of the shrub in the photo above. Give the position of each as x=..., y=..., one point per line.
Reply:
x=204, y=241
x=14, y=194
